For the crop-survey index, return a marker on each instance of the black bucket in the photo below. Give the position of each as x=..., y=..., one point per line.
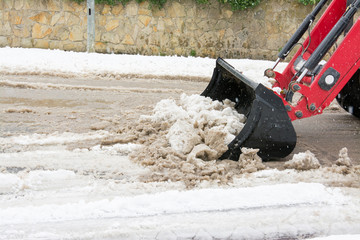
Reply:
x=268, y=126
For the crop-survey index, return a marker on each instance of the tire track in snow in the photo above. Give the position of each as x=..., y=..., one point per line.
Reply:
x=46, y=86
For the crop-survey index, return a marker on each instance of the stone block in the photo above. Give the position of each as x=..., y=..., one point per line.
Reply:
x=227, y=13
x=176, y=10
x=42, y=17
x=112, y=24
x=131, y=9
x=160, y=25
x=75, y=46
x=143, y=11
x=72, y=19
x=41, y=43
x=60, y=32
x=4, y=41
x=100, y=47
x=54, y=5
x=26, y=43
x=106, y=10
x=180, y=24
x=154, y=50
x=16, y=19
x=57, y=18
x=67, y=6
x=190, y=25
x=56, y=45
x=76, y=34
x=221, y=24
x=214, y=13
x=101, y=20
x=145, y=20
x=5, y=29
x=40, y=31
x=118, y=48
x=158, y=12
x=21, y=31
x=221, y=34
x=168, y=22
x=36, y=5
x=97, y=35
x=116, y=10
x=18, y=5
x=110, y=38
x=5, y=16
x=191, y=12
x=15, y=42
x=144, y=4
x=8, y=4
x=128, y=40
x=70, y=6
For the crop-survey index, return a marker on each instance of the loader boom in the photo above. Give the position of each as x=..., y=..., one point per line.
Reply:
x=308, y=84
x=318, y=89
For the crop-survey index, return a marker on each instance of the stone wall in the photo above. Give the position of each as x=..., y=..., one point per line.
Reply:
x=180, y=28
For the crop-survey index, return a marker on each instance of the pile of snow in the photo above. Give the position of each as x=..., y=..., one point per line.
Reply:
x=183, y=139
x=344, y=159
x=194, y=118
x=303, y=161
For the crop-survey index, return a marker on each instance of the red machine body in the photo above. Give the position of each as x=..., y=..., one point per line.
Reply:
x=345, y=61
x=307, y=85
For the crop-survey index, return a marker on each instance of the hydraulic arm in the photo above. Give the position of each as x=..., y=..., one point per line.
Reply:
x=308, y=84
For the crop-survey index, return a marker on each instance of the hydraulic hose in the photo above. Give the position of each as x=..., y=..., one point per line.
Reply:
x=301, y=30
x=330, y=39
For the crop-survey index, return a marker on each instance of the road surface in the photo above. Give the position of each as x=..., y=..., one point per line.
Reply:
x=57, y=183
x=43, y=104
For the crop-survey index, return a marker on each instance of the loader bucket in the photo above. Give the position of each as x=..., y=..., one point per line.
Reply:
x=268, y=126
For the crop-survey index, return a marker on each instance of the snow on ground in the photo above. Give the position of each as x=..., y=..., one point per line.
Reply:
x=52, y=187
x=56, y=62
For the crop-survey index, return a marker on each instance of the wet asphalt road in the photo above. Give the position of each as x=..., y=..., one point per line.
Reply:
x=326, y=134
x=44, y=104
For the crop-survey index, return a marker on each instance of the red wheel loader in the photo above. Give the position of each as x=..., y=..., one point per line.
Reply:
x=308, y=84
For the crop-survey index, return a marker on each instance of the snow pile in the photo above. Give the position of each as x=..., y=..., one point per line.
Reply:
x=250, y=161
x=303, y=161
x=342, y=173
x=344, y=159
x=196, y=119
x=116, y=149
x=9, y=183
x=343, y=165
x=183, y=139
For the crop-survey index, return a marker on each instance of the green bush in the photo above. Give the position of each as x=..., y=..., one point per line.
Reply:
x=235, y=4
x=306, y=2
x=241, y=4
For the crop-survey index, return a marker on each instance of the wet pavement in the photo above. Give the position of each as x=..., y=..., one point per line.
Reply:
x=45, y=104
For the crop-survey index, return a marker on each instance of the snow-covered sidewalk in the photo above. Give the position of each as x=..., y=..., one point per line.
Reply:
x=56, y=62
